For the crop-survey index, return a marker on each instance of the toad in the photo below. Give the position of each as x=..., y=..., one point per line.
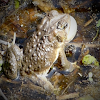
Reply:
x=42, y=48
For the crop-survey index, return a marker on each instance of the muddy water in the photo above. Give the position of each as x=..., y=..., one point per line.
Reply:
x=86, y=13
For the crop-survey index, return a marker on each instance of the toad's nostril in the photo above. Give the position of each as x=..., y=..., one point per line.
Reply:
x=59, y=39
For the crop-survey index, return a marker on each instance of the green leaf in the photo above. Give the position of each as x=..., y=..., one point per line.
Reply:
x=1, y=62
x=16, y=4
x=98, y=23
x=90, y=60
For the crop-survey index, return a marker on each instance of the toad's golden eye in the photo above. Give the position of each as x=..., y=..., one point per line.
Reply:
x=61, y=25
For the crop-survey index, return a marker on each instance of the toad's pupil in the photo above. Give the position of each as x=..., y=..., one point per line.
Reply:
x=65, y=26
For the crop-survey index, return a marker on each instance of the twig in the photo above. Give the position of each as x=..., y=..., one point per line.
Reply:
x=3, y=42
x=86, y=45
x=96, y=35
x=82, y=4
x=1, y=93
x=88, y=22
x=82, y=54
x=68, y=96
x=67, y=87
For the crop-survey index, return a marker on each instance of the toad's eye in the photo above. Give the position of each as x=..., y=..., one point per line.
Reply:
x=65, y=26
x=59, y=25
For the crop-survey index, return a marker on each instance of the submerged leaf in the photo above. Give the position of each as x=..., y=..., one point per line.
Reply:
x=98, y=23
x=86, y=97
x=90, y=60
x=1, y=62
x=0, y=68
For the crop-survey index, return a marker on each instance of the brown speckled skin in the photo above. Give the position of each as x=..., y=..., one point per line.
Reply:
x=43, y=47
x=47, y=44
x=12, y=61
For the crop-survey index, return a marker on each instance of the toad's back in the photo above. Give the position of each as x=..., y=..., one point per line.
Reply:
x=39, y=54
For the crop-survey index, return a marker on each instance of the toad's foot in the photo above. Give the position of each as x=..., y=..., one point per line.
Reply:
x=43, y=82
x=73, y=66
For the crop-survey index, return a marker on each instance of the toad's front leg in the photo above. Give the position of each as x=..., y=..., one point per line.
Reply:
x=65, y=65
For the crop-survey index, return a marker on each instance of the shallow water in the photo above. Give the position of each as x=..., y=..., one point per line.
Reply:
x=86, y=13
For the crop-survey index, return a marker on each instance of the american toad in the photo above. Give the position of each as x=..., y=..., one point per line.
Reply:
x=42, y=48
